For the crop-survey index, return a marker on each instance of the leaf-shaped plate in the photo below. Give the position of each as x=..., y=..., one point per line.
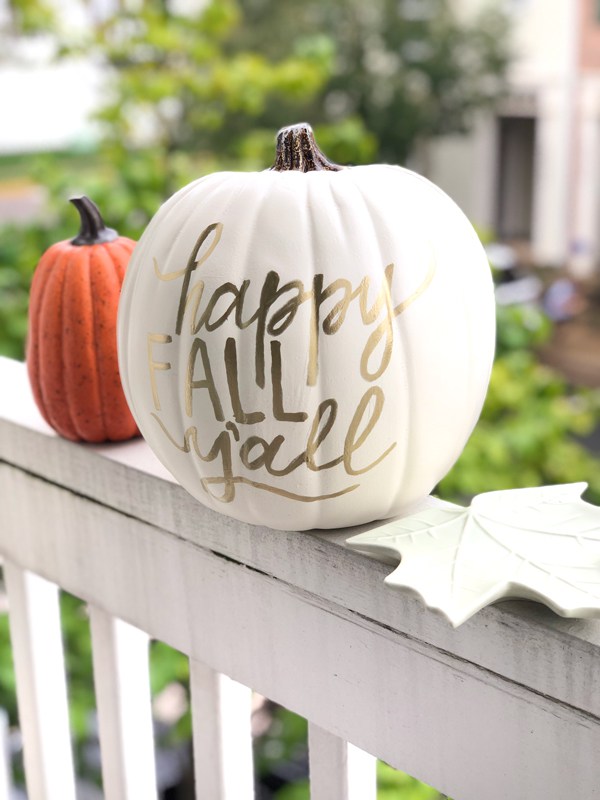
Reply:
x=541, y=544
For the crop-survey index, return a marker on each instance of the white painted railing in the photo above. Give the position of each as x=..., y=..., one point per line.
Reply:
x=507, y=706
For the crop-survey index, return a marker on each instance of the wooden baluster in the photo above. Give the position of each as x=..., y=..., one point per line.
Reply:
x=34, y=616
x=122, y=681
x=339, y=770
x=221, y=717
x=5, y=765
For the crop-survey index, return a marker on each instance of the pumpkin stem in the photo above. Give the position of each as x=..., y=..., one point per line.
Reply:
x=93, y=230
x=297, y=150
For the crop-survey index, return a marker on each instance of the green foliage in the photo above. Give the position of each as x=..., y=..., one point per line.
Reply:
x=20, y=250
x=178, y=83
x=409, y=70
x=182, y=81
x=525, y=436
x=295, y=791
x=284, y=741
x=78, y=659
x=8, y=699
x=391, y=785
x=29, y=17
x=168, y=666
x=402, y=71
x=394, y=785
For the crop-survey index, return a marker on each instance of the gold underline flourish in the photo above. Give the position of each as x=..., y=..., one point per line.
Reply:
x=265, y=487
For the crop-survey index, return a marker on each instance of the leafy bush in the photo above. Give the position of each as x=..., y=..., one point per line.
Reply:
x=526, y=433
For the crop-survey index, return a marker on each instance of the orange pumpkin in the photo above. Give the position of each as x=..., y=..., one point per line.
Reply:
x=72, y=343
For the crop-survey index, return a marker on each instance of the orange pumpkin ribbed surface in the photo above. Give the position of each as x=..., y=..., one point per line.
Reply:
x=72, y=342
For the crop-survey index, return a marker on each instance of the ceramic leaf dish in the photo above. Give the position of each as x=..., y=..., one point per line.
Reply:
x=540, y=544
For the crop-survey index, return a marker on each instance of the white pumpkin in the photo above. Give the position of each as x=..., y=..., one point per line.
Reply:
x=308, y=346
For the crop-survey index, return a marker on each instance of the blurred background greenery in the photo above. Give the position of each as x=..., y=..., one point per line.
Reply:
x=193, y=88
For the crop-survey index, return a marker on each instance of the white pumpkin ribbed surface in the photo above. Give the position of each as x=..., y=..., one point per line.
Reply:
x=308, y=350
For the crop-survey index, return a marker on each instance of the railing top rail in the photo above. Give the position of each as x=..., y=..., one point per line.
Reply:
x=522, y=642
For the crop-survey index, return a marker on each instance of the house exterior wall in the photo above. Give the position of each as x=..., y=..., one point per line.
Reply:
x=585, y=251
x=465, y=168
x=585, y=255
x=555, y=77
x=589, y=54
